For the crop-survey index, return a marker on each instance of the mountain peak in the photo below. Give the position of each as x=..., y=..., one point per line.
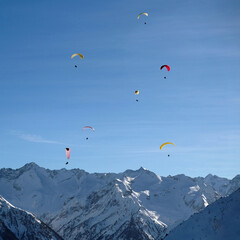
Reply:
x=29, y=166
x=210, y=176
x=142, y=169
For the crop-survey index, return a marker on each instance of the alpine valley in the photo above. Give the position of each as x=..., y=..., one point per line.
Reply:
x=74, y=204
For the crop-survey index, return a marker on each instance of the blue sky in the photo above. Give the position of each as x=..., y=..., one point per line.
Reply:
x=45, y=100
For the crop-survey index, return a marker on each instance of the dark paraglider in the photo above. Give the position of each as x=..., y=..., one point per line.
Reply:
x=168, y=155
x=86, y=138
x=75, y=66
x=136, y=100
x=165, y=77
x=66, y=163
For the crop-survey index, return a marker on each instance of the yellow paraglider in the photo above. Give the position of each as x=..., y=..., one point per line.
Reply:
x=166, y=144
x=136, y=92
x=144, y=13
x=77, y=54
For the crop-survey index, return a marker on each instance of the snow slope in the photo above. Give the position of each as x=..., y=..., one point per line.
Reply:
x=219, y=221
x=77, y=204
x=18, y=224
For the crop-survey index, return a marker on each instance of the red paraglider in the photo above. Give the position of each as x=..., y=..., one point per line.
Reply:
x=166, y=66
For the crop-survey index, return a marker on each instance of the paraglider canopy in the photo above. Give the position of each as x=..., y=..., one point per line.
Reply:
x=87, y=127
x=77, y=54
x=166, y=144
x=136, y=92
x=143, y=13
x=166, y=66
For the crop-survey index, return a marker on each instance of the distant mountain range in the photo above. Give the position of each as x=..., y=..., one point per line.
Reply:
x=130, y=205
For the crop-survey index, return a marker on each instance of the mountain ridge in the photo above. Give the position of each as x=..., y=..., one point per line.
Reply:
x=219, y=221
x=16, y=223
x=110, y=204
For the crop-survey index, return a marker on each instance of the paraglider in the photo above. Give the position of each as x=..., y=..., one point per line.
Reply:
x=68, y=151
x=77, y=54
x=166, y=144
x=144, y=13
x=136, y=93
x=88, y=127
x=165, y=66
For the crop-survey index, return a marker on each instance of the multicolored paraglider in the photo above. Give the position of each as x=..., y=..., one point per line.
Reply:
x=68, y=151
x=166, y=144
x=143, y=13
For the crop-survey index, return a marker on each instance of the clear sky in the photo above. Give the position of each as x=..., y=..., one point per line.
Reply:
x=45, y=101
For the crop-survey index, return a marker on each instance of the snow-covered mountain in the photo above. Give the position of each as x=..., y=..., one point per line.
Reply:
x=219, y=221
x=79, y=205
x=16, y=224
